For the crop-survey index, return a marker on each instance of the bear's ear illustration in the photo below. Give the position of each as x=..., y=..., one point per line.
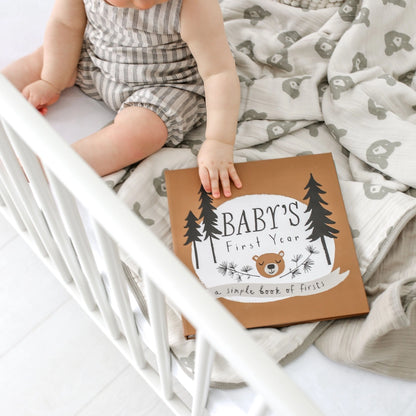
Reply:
x=255, y=258
x=281, y=253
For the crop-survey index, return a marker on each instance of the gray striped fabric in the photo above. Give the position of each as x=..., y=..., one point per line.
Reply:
x=137, y=57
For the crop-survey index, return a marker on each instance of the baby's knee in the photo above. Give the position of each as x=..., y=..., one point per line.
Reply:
x=140, y=130
x=139, y=121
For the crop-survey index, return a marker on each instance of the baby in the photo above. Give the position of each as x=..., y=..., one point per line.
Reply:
x=163, y=65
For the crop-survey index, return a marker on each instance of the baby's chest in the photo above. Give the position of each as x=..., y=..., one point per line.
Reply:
x=124, y=27
x=163, y=19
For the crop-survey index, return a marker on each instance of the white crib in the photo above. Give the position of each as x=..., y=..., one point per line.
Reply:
x=76, y=225
x=45, y=211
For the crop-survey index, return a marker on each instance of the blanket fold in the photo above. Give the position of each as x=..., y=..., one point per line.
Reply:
x=385, y=340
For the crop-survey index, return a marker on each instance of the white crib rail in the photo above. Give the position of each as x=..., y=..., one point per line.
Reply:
x=45, y=211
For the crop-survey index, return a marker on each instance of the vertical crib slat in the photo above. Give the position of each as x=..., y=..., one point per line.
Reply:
x=23, y=198
x=204, y=358
x=258, y=408
x=67, y=206
x=12, y=199
x=158, y=323
x=119, y=290
x=6, y=201
x=42, y=193
x=18, y=203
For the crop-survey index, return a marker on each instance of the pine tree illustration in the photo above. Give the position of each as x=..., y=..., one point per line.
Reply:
x=193, y=235
x=209, y=218
x=318, y=219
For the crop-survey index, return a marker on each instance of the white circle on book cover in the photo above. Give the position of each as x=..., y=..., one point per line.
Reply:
x=255, y=248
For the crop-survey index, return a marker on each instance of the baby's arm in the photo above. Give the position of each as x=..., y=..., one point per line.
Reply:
x=61, y=49
x=202, y=29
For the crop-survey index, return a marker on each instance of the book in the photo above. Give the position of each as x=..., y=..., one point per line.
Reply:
x=279, y=251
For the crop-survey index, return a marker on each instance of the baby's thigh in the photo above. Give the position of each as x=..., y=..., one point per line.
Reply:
x=180, y=110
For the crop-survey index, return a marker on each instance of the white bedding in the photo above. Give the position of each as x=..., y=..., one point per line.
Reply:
x=338, y=389
x=286, y=57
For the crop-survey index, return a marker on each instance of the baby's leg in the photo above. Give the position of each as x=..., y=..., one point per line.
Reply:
x=135, y=134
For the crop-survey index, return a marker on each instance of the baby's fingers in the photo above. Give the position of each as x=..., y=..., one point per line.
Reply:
x=234, y=177
x=211, y=180
x=225, y=176
x=204, y=177
x=215, y=185
x=225, y=183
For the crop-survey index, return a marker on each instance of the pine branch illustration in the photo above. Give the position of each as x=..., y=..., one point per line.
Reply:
x=222, y=268
x=307, y=263
x=296, y=258
x=311, y=249
x=295, y=272
x=231, y=269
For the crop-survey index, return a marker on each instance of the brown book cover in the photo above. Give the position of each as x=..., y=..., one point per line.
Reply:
x=279, y=251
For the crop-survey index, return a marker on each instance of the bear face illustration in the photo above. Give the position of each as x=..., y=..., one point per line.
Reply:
x=255, y=14
x=280, y=60
x=160, y=184
x=363, y=17
x=376, y=191
x=270, y=264
x=348, y=10
x=291, y=86
x=377, y=110
x=336, y=133
x=339, y=84
x=325, y=47
x=246, y=47
x=407, y=78
x=396, y=41
x=279, y=128
x=288, y=38
x=379, y=152
x=359, y=62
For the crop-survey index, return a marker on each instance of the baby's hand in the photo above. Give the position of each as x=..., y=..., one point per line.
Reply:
x=215, y=161
x=41, y=94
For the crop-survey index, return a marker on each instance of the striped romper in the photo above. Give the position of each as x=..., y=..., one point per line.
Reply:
x=137, y=58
